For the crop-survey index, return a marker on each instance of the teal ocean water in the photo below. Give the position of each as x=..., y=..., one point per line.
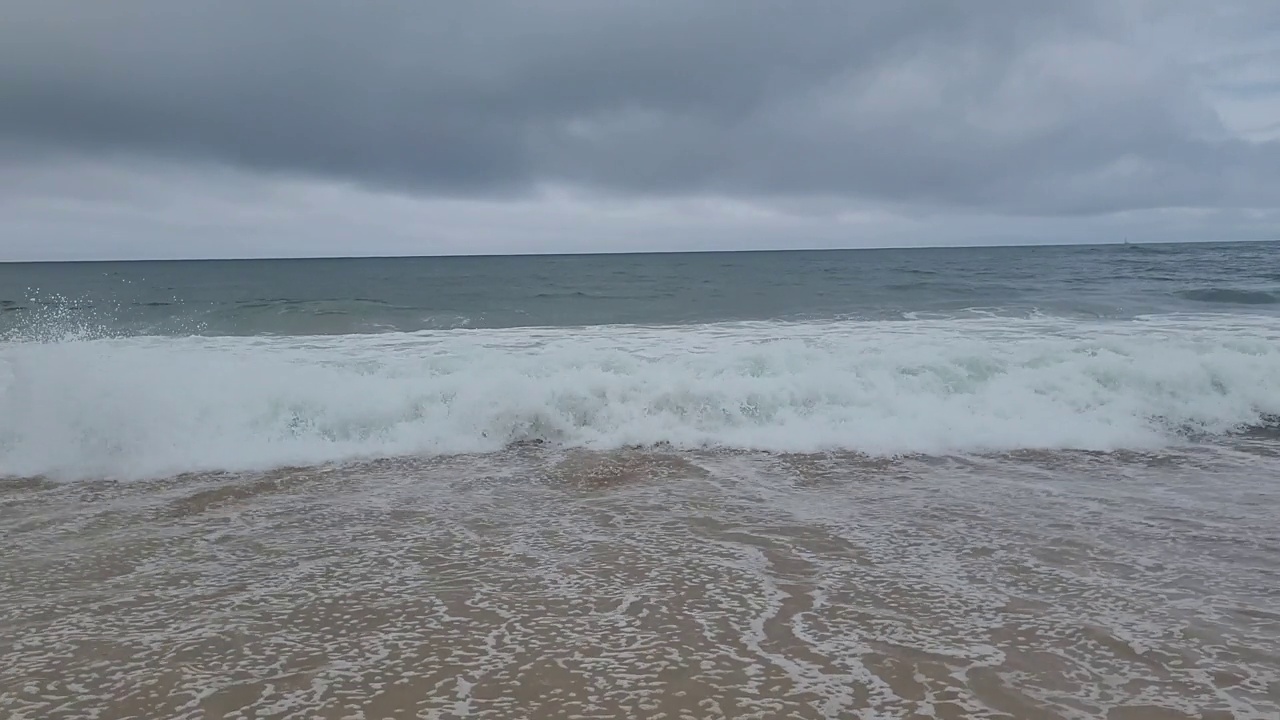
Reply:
x=340, y=296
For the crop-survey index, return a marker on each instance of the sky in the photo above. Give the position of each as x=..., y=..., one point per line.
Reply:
x=244, y=128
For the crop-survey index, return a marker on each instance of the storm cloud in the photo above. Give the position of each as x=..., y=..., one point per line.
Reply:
x=996, y=107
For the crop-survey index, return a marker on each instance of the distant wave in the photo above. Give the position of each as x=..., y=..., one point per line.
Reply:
x=1146, y=248
x=580, y=295
x=150, y=406
x=1229, y=296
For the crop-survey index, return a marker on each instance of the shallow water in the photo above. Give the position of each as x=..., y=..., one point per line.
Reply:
x=538, y=582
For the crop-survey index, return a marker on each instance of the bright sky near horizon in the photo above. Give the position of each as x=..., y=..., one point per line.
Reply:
x=237, y=128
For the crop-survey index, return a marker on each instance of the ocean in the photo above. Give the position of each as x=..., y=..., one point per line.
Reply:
x=949, y=483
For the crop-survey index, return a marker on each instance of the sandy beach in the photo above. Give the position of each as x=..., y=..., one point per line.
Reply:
x=539, y=583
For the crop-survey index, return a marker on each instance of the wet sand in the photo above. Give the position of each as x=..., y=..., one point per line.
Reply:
x=644, y=584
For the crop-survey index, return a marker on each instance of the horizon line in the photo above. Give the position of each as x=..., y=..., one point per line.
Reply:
x=624, y=253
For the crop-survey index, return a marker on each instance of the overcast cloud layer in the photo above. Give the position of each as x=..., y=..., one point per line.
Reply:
x=151, y=128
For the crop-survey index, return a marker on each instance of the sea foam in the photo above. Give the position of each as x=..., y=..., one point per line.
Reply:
x=153, y=406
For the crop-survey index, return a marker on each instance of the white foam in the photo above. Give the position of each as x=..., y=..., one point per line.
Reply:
x=152, y=406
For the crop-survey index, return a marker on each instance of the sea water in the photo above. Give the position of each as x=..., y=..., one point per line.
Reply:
x=1028, y=482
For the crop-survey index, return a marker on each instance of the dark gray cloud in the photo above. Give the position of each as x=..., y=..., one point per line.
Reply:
x=999, y=106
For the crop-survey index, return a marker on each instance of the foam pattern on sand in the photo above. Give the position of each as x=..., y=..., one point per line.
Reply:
x=541, y=583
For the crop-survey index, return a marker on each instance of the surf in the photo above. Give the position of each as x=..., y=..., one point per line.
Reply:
x=134, y=407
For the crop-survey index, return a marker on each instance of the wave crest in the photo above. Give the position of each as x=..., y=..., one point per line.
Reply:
x=153, y=406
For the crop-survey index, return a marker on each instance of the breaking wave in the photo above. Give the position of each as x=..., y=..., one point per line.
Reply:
x=153, y=406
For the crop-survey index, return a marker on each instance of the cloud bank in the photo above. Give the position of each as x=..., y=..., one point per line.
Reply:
x=206, y=128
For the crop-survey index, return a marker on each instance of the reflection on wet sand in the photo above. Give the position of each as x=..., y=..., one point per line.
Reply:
x=539, y=583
